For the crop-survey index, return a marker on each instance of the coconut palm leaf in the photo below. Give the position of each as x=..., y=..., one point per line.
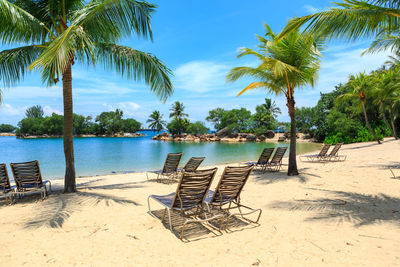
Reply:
x=136, y=65
x=60, y=52
x=110, y=20
x=14, y=63
x=350, y=20
x=18, y=26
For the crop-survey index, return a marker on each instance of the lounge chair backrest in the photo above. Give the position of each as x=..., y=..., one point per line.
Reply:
x=172, y=162
x=279, y=153
x=27, y=173
x=335, y=149
x=4, y=180
x=324, y=150
x=193, y=164
x=265, y=155
x=231, y=184
x=192, y=189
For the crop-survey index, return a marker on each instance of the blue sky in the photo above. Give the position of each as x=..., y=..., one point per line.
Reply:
x=199, y=41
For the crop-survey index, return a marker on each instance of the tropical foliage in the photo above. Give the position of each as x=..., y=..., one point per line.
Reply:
x=286, y=63
x=56, y=34
x=7, y=128
x=107, y=123
x=156, y=121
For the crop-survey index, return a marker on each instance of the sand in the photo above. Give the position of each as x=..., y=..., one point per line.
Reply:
x=332, y=214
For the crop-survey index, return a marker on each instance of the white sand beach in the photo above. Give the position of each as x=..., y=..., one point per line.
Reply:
x=332, y=214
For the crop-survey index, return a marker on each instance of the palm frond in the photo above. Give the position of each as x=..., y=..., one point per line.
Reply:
x=15, y=62
x=60, y=52
x=110, y=20
x=18, y=26
x=137, y=65
x=272, y=88
x=353, y=20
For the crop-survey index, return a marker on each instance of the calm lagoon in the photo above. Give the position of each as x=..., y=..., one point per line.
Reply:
x=103, y=155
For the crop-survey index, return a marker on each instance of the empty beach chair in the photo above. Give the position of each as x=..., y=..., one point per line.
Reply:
x=334, y=155
x=188, y=199
x=28, y=179
x=275, y=164
x=317, y=157
x=227, y=194
x=263, y=159
x=192, y=164
x=5, y=186
x=170, y=168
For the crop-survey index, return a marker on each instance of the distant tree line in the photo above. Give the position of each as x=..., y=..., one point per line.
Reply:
x=235, y=120
x=107, y=123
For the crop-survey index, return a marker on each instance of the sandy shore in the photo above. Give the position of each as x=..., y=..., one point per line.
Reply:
x=333, y=214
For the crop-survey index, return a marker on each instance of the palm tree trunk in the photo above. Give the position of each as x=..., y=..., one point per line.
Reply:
x=392, y=119
x=69, y=180
x=385, y=120
x=292, y=169
x=367, y=122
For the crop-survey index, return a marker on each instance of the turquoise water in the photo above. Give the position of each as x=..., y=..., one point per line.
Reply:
x=101, y=155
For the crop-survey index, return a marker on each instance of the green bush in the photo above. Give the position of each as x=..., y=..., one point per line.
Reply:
x=7, y=128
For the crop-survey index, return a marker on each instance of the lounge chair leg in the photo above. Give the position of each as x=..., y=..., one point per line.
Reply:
x=170, y=220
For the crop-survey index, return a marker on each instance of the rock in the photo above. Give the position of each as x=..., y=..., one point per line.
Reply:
x=242, y=135
x=165, y=134
x=223, y=132
x=261, y=138
x=270, y=134
x=251, y=137
x=233, y=135
x=281, y=139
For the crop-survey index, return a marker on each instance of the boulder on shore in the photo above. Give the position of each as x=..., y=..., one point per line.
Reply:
x=270, y=134
x=223, y=132
x=251, y=137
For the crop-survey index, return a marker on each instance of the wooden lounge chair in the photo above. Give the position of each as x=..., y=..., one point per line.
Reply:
x=334, y=155
x=28, y=179
x=192, y=164
x=317, y=157
x=275, y=164
x=227, y=194
x=188, y=199
x=170, y=168
x=263, y=159
x=5, y=186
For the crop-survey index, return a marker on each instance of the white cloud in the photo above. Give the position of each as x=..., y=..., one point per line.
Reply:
x=201, y=76
x=311, y=9
x=49, y=110
x=30, y=92
x=129, y=108
x=7, y=109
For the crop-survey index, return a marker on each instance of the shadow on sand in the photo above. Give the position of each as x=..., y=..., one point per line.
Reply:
x=360, y=209
x=275, y=177
x=58, y=207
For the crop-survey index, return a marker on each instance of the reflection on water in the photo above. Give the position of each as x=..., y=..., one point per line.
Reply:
x=103, y=155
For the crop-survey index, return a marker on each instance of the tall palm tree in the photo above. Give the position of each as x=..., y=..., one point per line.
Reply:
x=57, y=33
x=285, y=64
x=156, y=121
x=272, y=108
x=177, y=110
x=359, y=86
x=386, y=84
x=351, y=20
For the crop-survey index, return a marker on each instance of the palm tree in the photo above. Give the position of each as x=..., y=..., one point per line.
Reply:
x=351, y=20
x=359, y=86
x=156, y=121
x=386, y=84
x=272, y=108
x=177, y=110
x=34, y=112
x=286, y=64
x=58, y=33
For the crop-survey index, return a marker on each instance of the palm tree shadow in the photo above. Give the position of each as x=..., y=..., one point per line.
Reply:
x=274, y=177
x=360, y=209
x=59, y=207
